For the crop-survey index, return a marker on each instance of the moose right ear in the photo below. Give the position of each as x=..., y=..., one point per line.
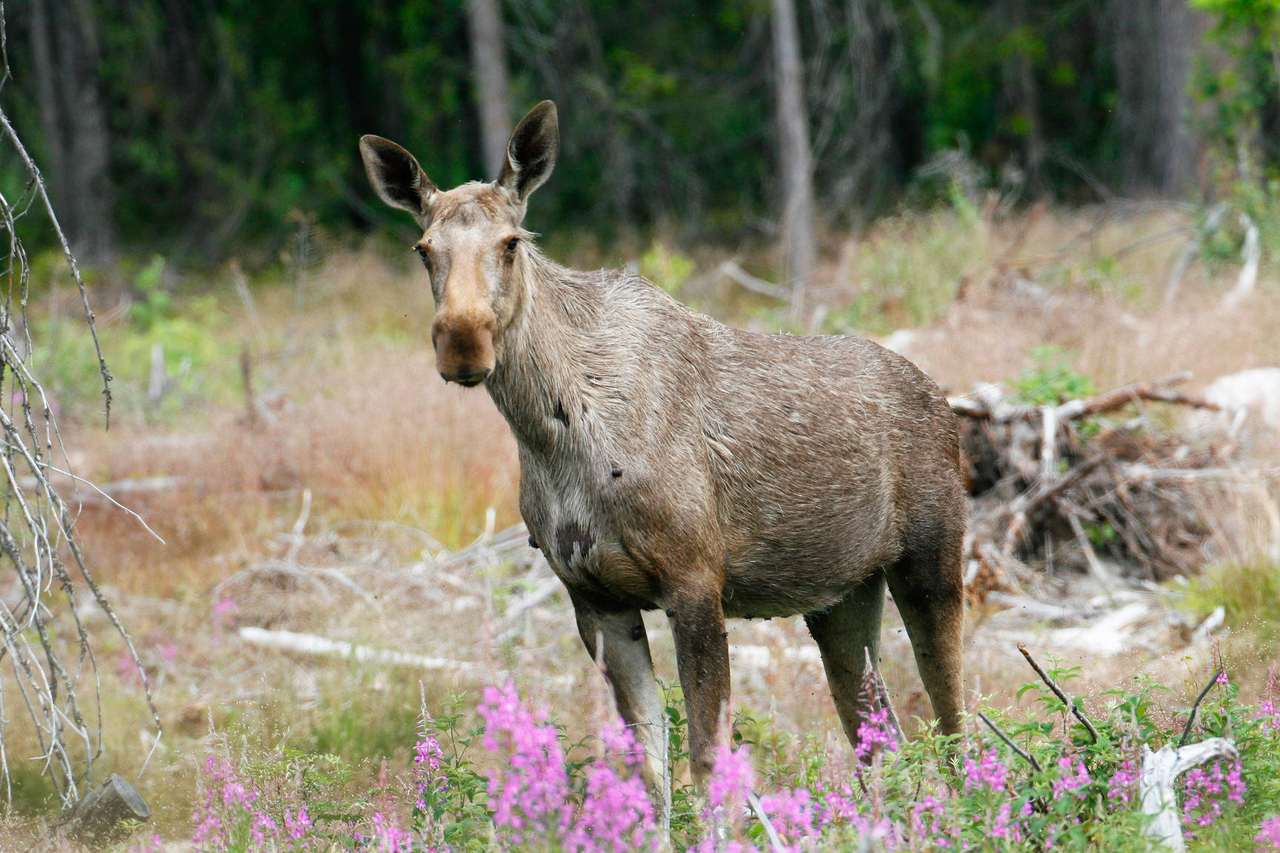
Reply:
x=396, y=176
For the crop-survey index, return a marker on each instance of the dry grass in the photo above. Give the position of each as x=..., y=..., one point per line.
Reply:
x=355, y=416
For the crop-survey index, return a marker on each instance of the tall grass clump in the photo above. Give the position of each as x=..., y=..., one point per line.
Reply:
x=1044, y=782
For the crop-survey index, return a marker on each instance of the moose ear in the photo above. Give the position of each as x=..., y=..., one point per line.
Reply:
x=531, y=153
x=396, y=176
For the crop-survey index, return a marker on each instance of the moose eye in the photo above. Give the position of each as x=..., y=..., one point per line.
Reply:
x=422, y=253
x=511, y=245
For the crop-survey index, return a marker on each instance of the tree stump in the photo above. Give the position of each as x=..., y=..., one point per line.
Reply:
x=106, y=815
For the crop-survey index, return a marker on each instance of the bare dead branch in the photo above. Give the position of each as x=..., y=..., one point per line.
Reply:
x=55, y=667
x=1019, y=751
x=1156, y=390
x=1195, y=707
x=1059, y=692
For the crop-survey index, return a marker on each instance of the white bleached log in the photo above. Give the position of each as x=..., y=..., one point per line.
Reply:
x=1160, y=771
x=311, y=644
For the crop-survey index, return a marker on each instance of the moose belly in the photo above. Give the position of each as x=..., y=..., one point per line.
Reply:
x=787, y=583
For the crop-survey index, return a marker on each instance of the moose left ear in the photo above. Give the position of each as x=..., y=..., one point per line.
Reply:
x=531, y=153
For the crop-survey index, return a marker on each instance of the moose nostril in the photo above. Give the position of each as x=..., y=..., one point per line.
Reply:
x=469, y=378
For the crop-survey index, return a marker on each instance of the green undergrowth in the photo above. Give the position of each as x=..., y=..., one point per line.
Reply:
x=1247, y=590
x=1045, y=778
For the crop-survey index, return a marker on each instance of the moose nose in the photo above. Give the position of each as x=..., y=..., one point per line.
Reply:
x=469, y=378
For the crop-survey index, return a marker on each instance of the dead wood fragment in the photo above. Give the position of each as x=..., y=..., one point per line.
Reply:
x=1155, y=390
x=310, y=644
x=1160, y=772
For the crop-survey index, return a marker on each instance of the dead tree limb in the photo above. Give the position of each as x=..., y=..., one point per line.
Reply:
x=56, y=671
x=1017, y=750
x=1156, y=390
x=1059, y=692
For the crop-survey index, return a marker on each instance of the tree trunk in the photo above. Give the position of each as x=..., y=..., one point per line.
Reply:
x=489, y=69
x=74, y=120
x=1153, y=42
x=794, y=153
x=1024, y=99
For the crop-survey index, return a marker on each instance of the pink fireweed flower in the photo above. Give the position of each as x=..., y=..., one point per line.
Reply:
x=1269, y=714
x=791, y=813
x=989, y=772
x=1074, y=779
x=228, y=810
x=387, y=837
x=731, y=779
x=1123, y=786
x=154, y=845
x=873, y=733
x=528, y=794
x=930, y=819
x=428, y=781
x=1269, y=708
x=224, y=614
x=1204, y=791
x=1004, y=825
x=883, y=830
x=839, y=805
x=1268, y=837
x=296, y=825
x=616, y=815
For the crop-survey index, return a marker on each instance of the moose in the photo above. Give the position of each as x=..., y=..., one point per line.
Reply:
x=669, y=462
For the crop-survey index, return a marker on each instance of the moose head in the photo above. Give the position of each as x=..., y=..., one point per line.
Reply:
x=472, y=244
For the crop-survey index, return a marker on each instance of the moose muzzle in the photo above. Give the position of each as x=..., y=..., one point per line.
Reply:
x=464, y=347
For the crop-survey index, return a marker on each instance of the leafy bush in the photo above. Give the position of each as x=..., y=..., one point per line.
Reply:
x=1051, y=379
x=165, y=353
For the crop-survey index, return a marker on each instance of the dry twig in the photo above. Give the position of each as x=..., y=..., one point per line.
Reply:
x=1195, y=708
x=1017, y=750
x=1059, y=692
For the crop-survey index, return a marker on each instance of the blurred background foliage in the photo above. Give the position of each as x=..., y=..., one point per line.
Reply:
x=202, y=126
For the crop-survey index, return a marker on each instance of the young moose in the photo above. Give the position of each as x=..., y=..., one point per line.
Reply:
x=670, y=462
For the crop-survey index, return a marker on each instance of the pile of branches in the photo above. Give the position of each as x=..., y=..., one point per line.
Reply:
x=1074, y=486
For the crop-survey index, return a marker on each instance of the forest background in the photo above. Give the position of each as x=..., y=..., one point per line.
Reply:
x=198, y=129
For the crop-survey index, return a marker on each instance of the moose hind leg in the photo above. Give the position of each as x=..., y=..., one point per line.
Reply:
x=928, y=590
x=620, y=643
x=848, y=635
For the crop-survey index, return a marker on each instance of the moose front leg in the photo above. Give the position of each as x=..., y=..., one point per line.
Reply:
x=619, y=643
x=702, y=658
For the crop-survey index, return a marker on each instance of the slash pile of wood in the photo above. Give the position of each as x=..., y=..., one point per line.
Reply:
x=1096, y=484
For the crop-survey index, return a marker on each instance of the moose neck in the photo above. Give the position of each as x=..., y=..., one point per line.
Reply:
x=542, y=376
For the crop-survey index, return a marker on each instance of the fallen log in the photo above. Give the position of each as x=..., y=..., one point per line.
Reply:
x=311, y=644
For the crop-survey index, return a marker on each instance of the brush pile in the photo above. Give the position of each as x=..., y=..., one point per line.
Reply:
x=1094, y=484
